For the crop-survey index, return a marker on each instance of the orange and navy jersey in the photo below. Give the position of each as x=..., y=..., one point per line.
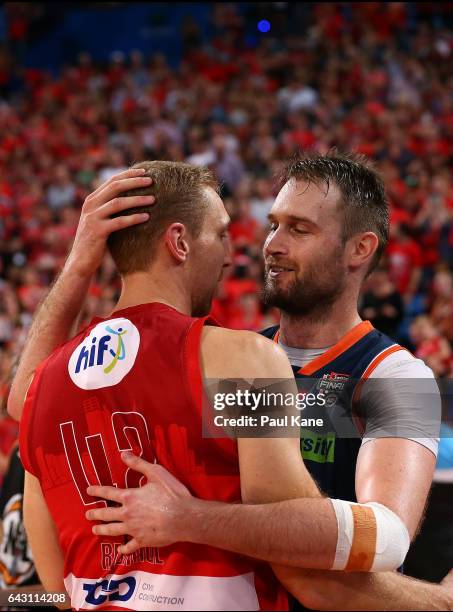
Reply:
x=331, y=457
x=133, y=382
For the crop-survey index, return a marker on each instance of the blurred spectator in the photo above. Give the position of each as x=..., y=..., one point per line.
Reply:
x=261, y=201
x=382, y=304
x=115, y=163
x=247, y=313
x=228, y=164
x=244, y=229
x=405, y=260
x=431, y=346
x=296, y=96
x=61, y=191
x=442, y=303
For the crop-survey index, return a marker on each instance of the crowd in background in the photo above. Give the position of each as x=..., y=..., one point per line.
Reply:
x=357, y=80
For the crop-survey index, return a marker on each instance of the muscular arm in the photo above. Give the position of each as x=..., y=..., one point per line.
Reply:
x=398, y=474
x=271, y=469
x=51, y=327
x=333, y=590
x=396, y=463
x=57, y=315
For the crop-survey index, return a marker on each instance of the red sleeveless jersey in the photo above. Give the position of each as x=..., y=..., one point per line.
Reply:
x=133, y=382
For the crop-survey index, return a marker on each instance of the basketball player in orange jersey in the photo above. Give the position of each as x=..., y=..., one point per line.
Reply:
x=330, y=210
x=320, y=536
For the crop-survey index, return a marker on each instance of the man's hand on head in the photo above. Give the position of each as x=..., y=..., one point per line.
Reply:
x=156, y=514
x=56, y=318
x=96, y=224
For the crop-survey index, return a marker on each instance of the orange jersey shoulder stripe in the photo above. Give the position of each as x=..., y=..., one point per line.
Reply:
x=379, y=358
x=351, y=338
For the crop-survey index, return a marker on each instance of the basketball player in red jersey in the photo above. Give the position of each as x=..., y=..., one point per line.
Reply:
x=133, y=381
x=318, y=560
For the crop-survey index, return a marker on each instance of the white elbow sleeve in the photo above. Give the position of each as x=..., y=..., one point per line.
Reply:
x=371, y=537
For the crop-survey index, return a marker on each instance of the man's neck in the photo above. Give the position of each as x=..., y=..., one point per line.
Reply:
x=142, y=288
x=311, y=331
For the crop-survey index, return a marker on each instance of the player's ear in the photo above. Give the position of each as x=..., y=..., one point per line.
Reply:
x=360, y=249
x=176, y=241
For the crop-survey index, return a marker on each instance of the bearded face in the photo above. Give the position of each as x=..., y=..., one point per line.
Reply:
x=304, y=288
x=304, y=253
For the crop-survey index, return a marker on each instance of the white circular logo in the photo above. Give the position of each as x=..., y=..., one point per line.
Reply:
x=106, y=355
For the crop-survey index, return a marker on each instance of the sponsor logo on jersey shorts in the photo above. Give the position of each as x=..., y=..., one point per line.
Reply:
x=141, y=590
x=105, y=356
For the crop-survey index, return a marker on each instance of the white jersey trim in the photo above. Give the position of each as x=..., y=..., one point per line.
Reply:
x=399, y=364
x=402, y=365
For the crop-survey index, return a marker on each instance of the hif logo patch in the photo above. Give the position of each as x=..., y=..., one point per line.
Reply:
x=105, y=357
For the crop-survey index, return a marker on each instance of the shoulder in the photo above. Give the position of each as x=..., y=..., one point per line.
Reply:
x=401, y=364
x=242, y=354
x=68, y=346
x=409, y=405
x=240, y=342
